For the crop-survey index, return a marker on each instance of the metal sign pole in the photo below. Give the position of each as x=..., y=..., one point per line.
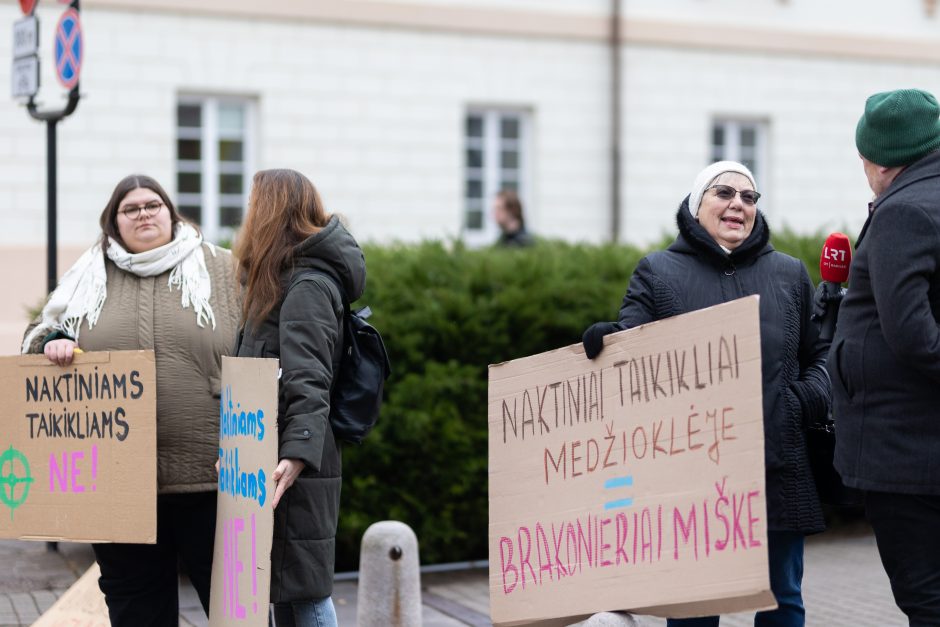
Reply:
x=51, y=208
x=51, y=119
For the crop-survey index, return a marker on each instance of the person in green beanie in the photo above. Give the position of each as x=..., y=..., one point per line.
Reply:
x=885, y=357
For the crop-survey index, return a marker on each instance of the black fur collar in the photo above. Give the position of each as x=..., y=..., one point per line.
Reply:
x=700, y=242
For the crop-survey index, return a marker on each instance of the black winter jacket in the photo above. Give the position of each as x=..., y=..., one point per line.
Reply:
x=305, y=332
x=516, y=239
x=694, y=273
x=885, y=358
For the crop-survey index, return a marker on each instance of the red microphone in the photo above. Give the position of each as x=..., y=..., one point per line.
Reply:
x=834, y=266
x=835, y=258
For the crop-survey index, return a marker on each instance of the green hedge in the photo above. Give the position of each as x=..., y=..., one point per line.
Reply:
x=446, y=312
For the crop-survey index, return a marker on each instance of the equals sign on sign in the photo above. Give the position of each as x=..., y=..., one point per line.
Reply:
x=618, y=482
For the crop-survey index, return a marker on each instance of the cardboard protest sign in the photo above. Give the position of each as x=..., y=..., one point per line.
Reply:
x=82, y=605
x=634, y=481
x=241, y=569
x=78, y=448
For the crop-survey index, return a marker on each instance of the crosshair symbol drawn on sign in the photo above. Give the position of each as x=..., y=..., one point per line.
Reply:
x=68, y=48
x=14, y=472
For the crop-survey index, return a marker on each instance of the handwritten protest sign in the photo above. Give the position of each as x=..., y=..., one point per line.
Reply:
x=634, y=481
x=82, y=605
x=241, y=569
x=78, y=448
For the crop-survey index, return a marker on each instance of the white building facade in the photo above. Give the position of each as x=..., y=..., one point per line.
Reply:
x=409, y=115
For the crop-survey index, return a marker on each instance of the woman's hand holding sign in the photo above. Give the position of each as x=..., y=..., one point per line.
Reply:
x=60, y=351
x=284, y=476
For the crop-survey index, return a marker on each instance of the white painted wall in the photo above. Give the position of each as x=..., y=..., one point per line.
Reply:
x=812, y=105
x=373, y=116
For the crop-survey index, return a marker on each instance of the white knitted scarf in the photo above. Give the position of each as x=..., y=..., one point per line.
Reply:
x=83, y=289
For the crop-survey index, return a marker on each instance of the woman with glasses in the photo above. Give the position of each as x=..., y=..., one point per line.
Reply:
x=152, y=283
x=723, y=253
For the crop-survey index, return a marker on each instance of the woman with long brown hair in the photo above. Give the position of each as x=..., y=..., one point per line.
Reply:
x=298, y=264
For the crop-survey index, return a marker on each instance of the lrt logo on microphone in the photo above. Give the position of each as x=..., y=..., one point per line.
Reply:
x=834, y=254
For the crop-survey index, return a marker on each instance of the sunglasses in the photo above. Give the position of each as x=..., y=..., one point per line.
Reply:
x=726, y=192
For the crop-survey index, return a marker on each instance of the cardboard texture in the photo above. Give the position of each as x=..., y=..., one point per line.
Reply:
x=241, y=568
x=634, y=481
x=78, y=448
x=82, y=605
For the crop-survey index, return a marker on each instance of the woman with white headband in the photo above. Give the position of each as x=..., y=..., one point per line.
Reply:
x=723, y=253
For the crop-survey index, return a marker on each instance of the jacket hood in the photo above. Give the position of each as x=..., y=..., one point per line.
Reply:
x=694, y=239
x=334, y=251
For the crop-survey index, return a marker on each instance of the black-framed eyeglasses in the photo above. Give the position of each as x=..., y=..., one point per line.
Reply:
x=726, y=192
x=132, y=212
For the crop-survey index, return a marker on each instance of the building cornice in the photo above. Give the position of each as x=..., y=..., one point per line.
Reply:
x=781, y=41
x=380, y=13
x=544, y=24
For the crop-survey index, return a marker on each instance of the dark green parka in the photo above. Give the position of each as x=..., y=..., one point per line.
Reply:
x=304, y=332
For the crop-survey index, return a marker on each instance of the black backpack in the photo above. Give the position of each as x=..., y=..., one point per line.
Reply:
x=358, y=381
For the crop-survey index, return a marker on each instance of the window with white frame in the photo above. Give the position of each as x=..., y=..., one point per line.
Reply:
x=214, y=144
x=496, y=158
x=741, y=141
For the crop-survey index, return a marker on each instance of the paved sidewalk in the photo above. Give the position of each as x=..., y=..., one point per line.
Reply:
x=32, y=578
x=844, y=585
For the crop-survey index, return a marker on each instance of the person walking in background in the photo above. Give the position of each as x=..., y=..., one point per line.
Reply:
x=508, y=215
x=723, y=253
x=151, y=283
x=885, y=356
x=299, y=265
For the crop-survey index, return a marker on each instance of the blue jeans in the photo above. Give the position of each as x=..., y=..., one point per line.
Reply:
x=785, y=558
x=317, y=613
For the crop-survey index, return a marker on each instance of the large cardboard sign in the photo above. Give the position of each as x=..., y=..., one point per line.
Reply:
x=634, y=481
x=82, y=605
x=241, y=569
x=78, y=448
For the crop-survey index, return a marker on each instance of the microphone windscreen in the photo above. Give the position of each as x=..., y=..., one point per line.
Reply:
x=835, y=258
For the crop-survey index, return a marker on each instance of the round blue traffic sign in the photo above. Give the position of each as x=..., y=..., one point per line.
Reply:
x=68, y=49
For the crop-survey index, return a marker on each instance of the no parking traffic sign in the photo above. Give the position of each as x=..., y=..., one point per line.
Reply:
x=68, y=49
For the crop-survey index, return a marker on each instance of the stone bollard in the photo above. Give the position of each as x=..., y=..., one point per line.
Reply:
x=389, y=577
x=610, y=619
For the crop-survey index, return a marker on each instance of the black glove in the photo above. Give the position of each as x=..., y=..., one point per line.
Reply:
x=593, y=338
x=823, y=296
x=813, y=407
